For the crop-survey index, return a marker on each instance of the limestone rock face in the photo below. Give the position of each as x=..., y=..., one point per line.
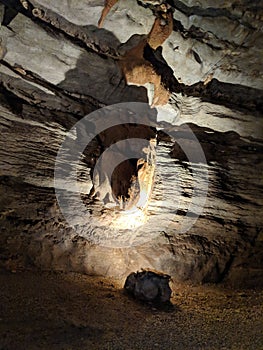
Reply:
x=204, y=219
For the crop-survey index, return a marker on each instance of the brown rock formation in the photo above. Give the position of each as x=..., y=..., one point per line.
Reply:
x=137, y=70
x=107, y=7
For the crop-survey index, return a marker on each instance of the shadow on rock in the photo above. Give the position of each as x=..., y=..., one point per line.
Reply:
x=98, y=75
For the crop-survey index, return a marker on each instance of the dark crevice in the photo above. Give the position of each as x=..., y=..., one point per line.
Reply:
x=223, y=274
x=162, y=68
x=231, y=95
x=220, y=221
x=10, y=99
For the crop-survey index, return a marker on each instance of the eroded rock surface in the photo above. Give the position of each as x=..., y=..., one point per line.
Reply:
x=57, y=66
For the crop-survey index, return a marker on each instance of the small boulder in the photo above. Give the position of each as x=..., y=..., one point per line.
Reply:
x=149, y=286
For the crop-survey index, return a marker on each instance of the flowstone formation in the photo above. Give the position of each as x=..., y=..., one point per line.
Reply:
x=136, y=69
x=199, y=66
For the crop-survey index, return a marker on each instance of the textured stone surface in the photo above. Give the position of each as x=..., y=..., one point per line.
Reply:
x=149, y=286
x=60, y=66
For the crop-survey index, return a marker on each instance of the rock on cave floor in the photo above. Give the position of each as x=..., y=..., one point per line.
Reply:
x=48, y=310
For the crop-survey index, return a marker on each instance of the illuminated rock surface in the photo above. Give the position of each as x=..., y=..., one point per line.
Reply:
x=60, y=67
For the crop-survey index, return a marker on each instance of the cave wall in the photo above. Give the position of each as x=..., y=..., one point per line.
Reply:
x=57, y=67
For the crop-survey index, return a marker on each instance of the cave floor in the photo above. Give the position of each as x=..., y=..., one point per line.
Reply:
x=48, y=310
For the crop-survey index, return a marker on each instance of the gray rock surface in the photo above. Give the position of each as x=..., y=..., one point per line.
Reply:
x=149, y=286
x=57, y=66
